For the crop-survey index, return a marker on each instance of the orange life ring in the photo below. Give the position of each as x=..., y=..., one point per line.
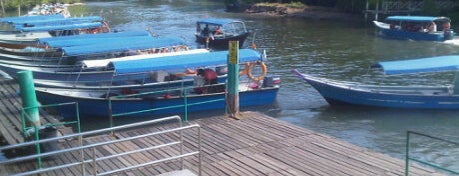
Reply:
x=246, y=69
x=264, y=70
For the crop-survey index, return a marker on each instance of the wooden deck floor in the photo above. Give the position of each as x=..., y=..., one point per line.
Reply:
x=10, y=112
x=255, y=145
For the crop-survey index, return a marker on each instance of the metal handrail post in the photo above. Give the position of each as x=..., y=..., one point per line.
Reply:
x=110, y=113
x=94, y=161
x=181, y=146
x=199, y=153
x=185, y=100
x=77, y=111
x=37, y=145
x=83, y=166
x=407, y=156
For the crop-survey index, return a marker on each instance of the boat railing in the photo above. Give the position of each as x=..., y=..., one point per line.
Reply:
x=25, y=118
x=184, y=91
x=86, y=155
x=409, y=158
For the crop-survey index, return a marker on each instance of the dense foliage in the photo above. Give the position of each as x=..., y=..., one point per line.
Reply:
x=358, y=6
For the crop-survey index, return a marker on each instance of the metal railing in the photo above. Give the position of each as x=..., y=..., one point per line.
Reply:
x=184, y=94
x=92, y=147
x=408, y=157
x=26, y=129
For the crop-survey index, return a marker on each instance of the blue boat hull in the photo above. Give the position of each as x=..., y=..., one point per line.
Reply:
x=99, y=107
x=339, y=93
x=407, y=35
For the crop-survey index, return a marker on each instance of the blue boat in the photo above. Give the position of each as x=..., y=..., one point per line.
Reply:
x=416, y=97
x=94, y=102
x=416, y=28
x=91, y=106
x=132, y=69
x=20, y=32
x=217, y=33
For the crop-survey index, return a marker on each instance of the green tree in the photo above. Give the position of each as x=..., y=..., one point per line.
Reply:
x=430, y=8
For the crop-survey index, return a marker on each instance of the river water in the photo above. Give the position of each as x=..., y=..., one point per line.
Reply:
x=337, y=50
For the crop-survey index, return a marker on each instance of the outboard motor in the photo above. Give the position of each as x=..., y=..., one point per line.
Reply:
x=270, y=81
x=448, y=34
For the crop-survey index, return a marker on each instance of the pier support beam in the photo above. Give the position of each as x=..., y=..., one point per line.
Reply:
x=232, y=98
x=28, y=97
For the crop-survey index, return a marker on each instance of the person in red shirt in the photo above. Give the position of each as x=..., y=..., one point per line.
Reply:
x=210, y=78
x=209, y=75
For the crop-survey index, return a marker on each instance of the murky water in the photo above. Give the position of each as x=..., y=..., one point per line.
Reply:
x=337, y=50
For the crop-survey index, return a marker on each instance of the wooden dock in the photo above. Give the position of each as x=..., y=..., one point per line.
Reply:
x=255, y=145
x=10, y=112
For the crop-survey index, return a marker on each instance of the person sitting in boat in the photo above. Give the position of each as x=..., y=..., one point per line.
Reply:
x=432, y=27
x=218, y=31
x=446, y=26
x=210, y=78
x=205, y=31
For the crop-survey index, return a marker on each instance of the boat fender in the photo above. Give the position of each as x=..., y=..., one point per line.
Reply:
x=246, y=69
x=264, y=70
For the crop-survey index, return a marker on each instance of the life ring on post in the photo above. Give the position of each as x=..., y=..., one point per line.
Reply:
x=264, y=70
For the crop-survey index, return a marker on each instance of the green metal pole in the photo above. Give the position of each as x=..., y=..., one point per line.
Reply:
x=28, y=97
x=185, y=99
x=233, y=79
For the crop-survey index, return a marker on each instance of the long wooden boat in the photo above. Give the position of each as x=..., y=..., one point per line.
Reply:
x=94, y=104
x=416, y=28
x=21, y=32
x=133, y=69
x=255, y=91
x=102, y=49
x=217, y=33
x=421, y=97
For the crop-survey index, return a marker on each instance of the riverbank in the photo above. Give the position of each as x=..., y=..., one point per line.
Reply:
x=307, y=12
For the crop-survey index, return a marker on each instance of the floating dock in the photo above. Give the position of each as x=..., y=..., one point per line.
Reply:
x=255, y=145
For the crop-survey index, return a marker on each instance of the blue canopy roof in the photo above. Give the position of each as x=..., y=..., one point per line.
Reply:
x=215, y=21
x=58, y=21
x=70, y=39
x=63, y=27
x=122, y=46
x=20, y=19
x=182, y=61
x=101, y=41
x=416, y=18
x=431, y=64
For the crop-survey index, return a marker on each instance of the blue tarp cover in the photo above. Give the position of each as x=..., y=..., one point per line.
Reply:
x=215, y=21
x=215, y=58
x=71, y=38
x=416, y=18
x=63, y=27
x=30, y=18
x=431, y=64
x=122, y=46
